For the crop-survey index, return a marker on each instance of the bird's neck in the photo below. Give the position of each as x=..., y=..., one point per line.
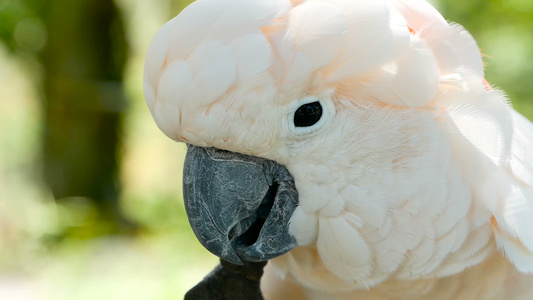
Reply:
x=494, y=278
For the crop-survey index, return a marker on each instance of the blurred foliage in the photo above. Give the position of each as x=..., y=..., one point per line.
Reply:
x=83, y=103
x=19, y=21
x=63, y=250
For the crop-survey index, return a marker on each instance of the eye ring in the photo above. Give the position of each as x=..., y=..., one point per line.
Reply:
x=308, y=114
x=322, y=110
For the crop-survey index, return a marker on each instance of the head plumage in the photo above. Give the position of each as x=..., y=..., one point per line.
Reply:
x=396, y=52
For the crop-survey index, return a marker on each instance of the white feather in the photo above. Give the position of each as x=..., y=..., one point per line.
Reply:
x=485, y=120
x=252, y=54
x=369, y=203
x=466, y=48
x=214, y=70
x=414, y=79
x=346, y=258
x=297, y=74
x=515, y=251
x=312, y=24
x=168, y=118
x=521, y=159
x=473, y=249
x=401, y=35
x=455, y=49
x=418, y=13
x=460, y=201
x=155, y=60
x=514, y=215
x=176, y=81
x=304, y=226
x=368, y=43
x=222, y=19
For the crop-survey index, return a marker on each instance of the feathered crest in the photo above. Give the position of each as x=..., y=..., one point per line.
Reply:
x=397, y=52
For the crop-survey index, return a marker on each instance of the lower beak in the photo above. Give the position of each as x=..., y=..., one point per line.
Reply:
x=239, y=206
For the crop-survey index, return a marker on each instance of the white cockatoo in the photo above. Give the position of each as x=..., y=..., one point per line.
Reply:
x=352, y=143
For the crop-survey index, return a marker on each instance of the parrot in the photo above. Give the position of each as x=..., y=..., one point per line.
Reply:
x=354, y=145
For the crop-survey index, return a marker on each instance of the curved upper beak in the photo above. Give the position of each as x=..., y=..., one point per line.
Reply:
x=239, y=206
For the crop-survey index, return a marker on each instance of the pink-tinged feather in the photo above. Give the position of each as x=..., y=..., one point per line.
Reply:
x=312, y=24
x=419, y=13
x=223, y=20
x=252, y=54
x=414, y=78
x=368, y=43
x=213, y=69
x=175, y=82
x=157, y=55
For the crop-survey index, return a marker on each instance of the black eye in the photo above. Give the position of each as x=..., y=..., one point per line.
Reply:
x=308, y=114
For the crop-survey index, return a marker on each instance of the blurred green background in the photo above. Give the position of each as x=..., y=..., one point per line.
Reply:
x=90, y=189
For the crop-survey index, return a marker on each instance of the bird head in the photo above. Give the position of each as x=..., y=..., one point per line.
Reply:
x=290, y=108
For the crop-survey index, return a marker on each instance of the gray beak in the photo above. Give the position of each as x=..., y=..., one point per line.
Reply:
x=239, y=206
